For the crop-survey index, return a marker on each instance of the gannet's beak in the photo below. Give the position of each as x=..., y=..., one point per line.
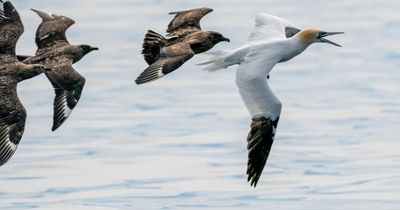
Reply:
x=323, y=34
x=94, y=48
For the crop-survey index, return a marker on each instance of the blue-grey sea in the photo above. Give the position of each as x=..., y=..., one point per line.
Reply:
x=180, y=143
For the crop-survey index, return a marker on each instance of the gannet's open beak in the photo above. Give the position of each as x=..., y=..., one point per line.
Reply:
x=323, y=34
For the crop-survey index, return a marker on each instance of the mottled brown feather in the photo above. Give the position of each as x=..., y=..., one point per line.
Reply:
x=166, y=55
x=171, y=58
x=11, y=29
x=55, y=52
x=187, y=21
x=12, y=112
x=52, y=29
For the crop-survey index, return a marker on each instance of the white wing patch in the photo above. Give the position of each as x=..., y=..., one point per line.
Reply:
x=67, y=110
x=7, y=148
x=152, y=73
x=273, y=132
x=159, y=71
x=44, y=37
x=12, y=145
x=61, y=108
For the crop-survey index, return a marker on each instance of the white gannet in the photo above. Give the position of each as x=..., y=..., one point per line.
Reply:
x=274, y=40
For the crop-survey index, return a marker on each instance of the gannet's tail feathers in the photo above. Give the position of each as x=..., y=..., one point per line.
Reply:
x=219, y=61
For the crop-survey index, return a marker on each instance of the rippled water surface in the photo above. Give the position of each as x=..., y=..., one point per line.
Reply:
x=179, y=143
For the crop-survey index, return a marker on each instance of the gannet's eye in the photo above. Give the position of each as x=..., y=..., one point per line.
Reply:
x=321, y=34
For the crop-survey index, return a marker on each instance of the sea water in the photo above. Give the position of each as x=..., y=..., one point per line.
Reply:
x=180, y=142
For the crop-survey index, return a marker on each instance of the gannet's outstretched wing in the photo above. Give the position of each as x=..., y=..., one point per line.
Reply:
x=270, y=27
x=263, y=105
x=259, y=143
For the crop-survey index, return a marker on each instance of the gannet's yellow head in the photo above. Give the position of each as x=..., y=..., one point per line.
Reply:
x=310, y=36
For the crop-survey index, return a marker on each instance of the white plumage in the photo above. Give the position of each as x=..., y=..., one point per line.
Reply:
x=266, y=46
x=270, y=27
x=273, y=40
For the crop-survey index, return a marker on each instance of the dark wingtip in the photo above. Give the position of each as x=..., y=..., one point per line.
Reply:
x=57, y=124
x=54, y=128
x=254, y=183
x=150, y=74
x=45, y=16
x=145, y=79
x=253, y=179
x=140, y=81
